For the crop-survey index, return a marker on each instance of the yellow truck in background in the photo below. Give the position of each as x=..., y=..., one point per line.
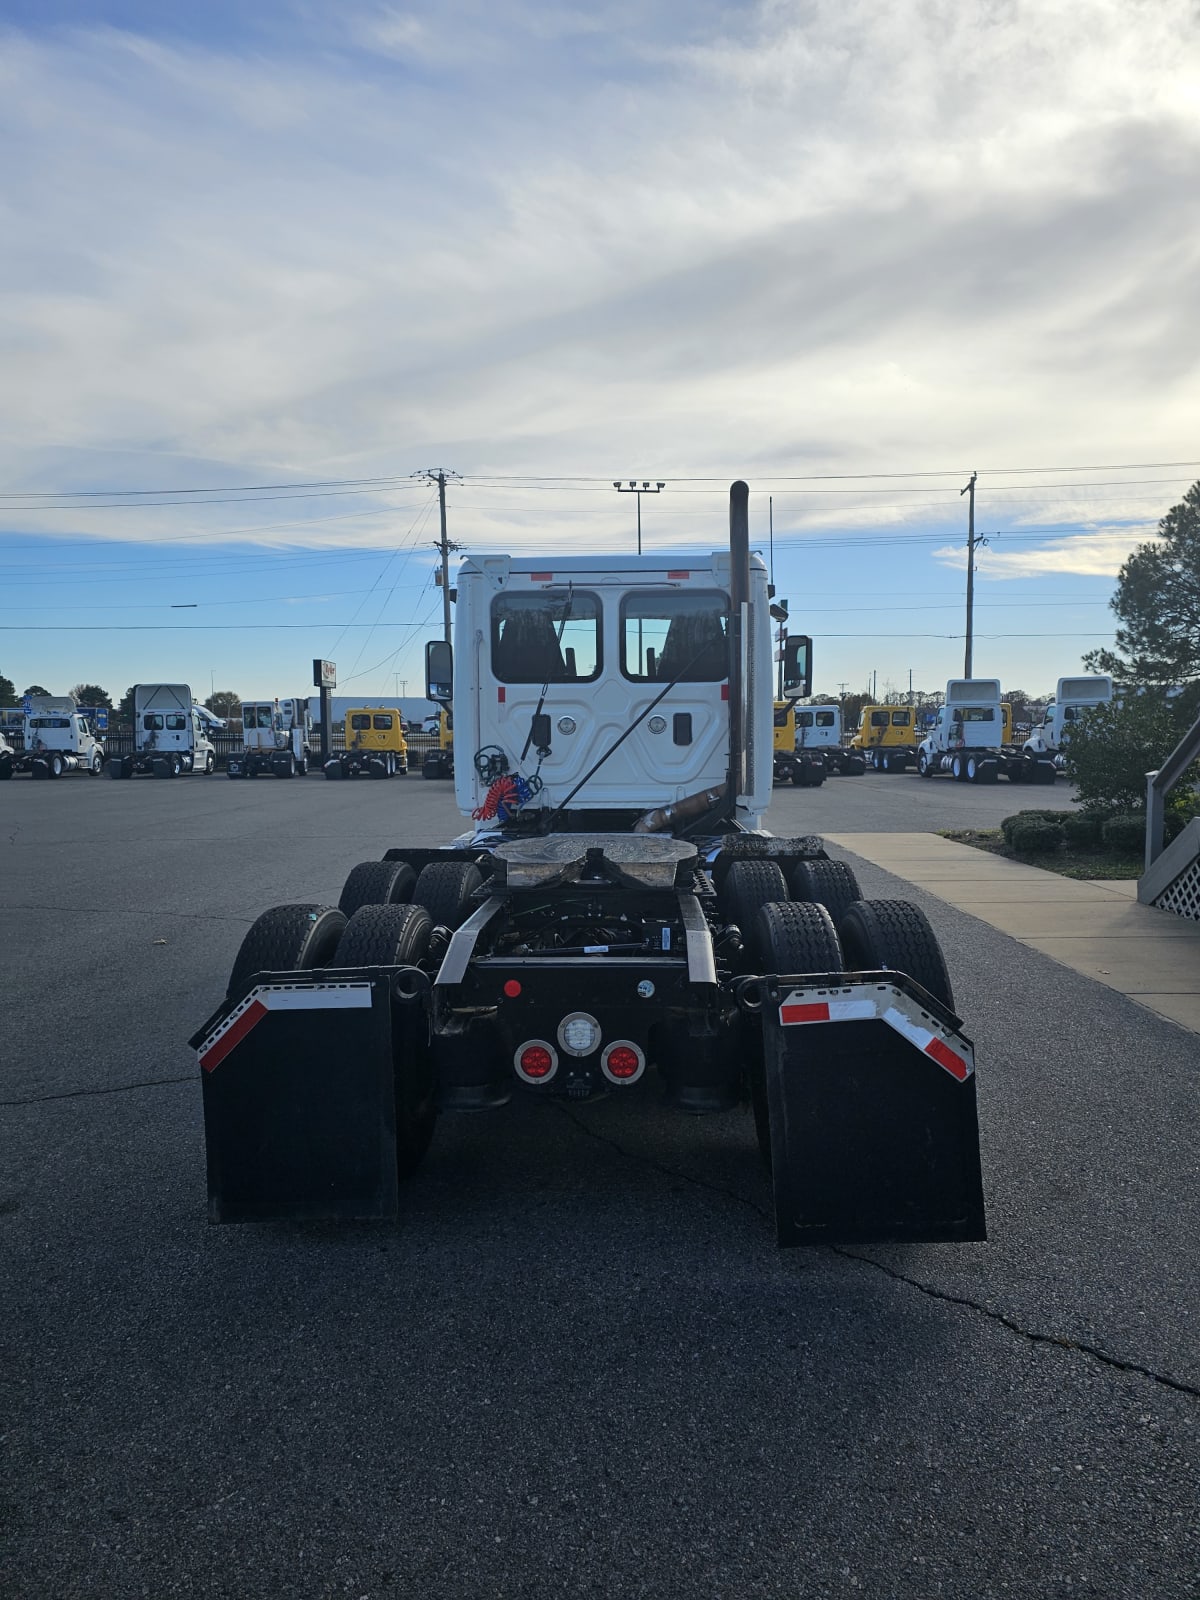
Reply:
x=439, y=759
x=888, y=737
x=375, y=745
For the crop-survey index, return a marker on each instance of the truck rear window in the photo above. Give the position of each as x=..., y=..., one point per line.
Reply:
x=382, y=724
x=360, y=722
x=824, y=719
x=546, y=638
x=673, y=635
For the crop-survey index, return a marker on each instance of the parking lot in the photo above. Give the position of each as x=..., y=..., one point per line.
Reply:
x=578, y=1364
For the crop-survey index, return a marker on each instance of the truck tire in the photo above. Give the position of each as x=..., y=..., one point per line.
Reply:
x=972, y=774
x=384, y=936
x=333, y=769
x=958, y=769
x=6, y=767
x=377, y=883
x=855, y=767
x=97, y=764
x=287, y=939
x=748, y=886
x=286, y=769
x=378, y=767
x=210, y=764
x=55, y=766
x=445, y=888
x=924, y=765
x=895, y=935
x=795, y=937
x=831, y=884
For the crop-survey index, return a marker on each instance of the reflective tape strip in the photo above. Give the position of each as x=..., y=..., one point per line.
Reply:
x=899, y=1010
x=250, y=1012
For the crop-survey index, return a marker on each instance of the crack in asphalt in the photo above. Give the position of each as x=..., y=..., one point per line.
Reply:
x=1032, y=1335
x=83, y=1094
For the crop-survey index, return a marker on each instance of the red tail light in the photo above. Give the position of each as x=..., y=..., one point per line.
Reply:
x=623, y=1062
x=535, y=1061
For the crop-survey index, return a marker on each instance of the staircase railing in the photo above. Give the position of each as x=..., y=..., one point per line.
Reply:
x=1159, y=785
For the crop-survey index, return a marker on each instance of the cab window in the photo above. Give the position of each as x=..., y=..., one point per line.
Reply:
x=804, y=719
x=781, y=717
x=824, y=719
x=152, y=721
x=382, y=724
x=360, y=721
x=176, y=722
x=551, y=637
x=978, y=714
x=672, y=636
x=901, y=719
x=879, y=719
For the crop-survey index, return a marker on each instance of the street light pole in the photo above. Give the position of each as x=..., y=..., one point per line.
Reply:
x=639, y=489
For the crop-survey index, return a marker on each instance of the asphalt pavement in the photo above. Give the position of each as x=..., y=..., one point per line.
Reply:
x=578, y=1364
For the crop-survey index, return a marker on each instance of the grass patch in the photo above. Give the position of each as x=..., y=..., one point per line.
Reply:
x=1067, y=861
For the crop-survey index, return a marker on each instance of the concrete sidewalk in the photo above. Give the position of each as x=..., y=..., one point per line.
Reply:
x=1094, y=927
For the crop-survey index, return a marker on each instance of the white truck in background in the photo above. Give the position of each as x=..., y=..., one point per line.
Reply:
x=968, y=739
x=819, y=728
x=1072, y=698
x=276, y=739
x=58, y=739
x=170, y=734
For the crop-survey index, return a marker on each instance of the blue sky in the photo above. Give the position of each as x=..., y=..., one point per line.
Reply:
x=849, y=251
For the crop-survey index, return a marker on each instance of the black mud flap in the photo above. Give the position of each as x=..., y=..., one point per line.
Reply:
x=299, y=1100
x=871, y=1099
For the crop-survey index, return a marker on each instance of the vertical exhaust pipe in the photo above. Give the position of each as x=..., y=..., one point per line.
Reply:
x=739, y=595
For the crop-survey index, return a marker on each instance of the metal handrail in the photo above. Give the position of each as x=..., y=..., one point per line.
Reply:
x=1159, y=784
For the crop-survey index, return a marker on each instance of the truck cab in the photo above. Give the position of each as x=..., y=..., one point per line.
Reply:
x=557, y=661
x=274, y=740
x=59, y=738
x=1073, y=699
x=887, y=737
x=170, y=734
x=375, y=745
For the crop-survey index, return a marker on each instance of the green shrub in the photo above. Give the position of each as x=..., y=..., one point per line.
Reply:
x=1031, y=836
x=1019, y=817
x=1082, y=830
x=1126, y=835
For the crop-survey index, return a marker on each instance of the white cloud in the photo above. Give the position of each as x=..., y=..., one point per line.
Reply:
x=544, y=240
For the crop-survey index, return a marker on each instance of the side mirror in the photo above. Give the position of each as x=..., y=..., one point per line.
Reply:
x=439, y=671
x=797, y=666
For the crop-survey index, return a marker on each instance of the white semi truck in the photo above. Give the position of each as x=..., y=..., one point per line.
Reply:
x=613, y=920
x=967, y=739
x=170, y=734
x=58, y=739
x=276, y=739
x=1073, y=698
x=819, y=729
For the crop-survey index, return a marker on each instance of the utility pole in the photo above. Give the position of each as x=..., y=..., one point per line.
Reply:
x=771, y=528
x=639, y=489
x=439, y=475
x=970, y=489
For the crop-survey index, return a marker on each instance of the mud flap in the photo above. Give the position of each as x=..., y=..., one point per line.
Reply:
x=871, y=1098
x=299, y=1101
